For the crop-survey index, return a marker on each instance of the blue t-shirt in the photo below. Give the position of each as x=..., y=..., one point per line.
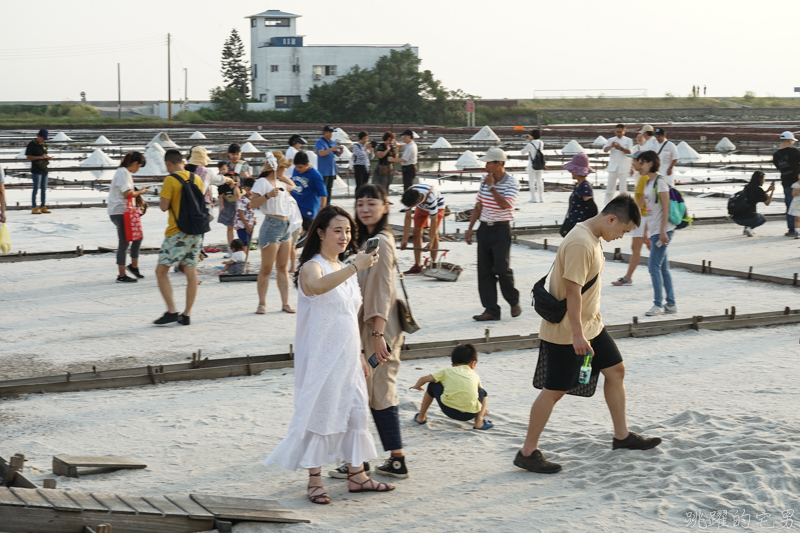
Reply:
x=326, y=164
x=309, y=188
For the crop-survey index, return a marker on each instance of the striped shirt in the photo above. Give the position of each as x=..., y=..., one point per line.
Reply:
x=360, y=155
x=508, y=189
x=434, y=201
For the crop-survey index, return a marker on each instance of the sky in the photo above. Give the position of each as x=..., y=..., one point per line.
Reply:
x=504, y=49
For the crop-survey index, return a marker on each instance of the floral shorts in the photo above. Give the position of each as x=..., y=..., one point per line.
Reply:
x=180, y=248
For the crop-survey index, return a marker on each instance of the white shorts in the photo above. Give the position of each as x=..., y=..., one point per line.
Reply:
x=638, y=231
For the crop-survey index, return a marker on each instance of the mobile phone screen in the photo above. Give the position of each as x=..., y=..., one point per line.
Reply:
x=373, y=361
x=372, y=244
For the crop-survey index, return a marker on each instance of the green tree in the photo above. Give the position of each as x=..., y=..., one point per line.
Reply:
x=234, y=67
x=229, y=105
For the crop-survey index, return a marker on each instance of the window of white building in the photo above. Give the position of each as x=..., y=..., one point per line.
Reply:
x=276, y=22
x=295, y=68
x=285, y=102
x=273, y=68
x=255, y=71
x=325, y=70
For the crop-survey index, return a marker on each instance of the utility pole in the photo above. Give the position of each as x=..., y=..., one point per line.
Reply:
x=169, y=80
x=186, y=93
x=119, y=95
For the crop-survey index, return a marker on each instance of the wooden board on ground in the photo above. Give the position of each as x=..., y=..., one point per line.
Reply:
x=249, y=509
x=60, y=500
x=165, y=506
x=238, y=277
x=31, y=498
x=191, y=507
x=8, y=499
x=67, y=465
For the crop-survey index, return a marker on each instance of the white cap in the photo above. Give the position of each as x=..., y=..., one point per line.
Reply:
x=788, y=135
x=494, y=154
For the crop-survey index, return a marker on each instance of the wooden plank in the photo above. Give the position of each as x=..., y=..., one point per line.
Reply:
x=279, y=516
x=36, y=520
x=217, y=504
x=87, y=502
x=165, y=506
x=189, y=506
x=99, y=462
x=138, y=504
x=24, y=482
x=112, y=503
x=60, y=500
x=32, y=498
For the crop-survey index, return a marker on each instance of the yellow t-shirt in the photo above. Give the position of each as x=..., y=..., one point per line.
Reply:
x=579, y=259
x=638, y=192
x=172, y=190
x=460, y=388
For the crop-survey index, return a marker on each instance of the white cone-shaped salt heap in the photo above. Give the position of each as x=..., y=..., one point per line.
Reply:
x=101, y=141
x=467, y=160
x=312, y=158
x=162, y=139
x=155, y=162
x=197, y=135
x=485, y=134
x=339, y=184
x=341, y=137
x=687, y=154
x=21, y=155
x=414, y=135
x=346, y=154
x=573, y=148
x=441, y=142
x=600, y=141
x=98, y=159
x=61, y=137
x=256, y=137
x=725, y=145
x=248, y=148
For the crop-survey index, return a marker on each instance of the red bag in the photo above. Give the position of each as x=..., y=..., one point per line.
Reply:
x=133, y=222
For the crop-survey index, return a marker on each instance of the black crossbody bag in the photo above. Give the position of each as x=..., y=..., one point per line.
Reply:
x=546, y=305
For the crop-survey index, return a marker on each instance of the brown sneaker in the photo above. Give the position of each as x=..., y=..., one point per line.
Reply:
x=45, y=210
x=635, y=441
x=516, y=310
x=536, y=462
x=483, y=317
x=35, y=211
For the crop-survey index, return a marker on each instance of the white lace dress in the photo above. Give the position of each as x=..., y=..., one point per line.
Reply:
x=330, y=392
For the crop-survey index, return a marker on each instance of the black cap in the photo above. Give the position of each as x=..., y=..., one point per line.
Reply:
x=43, y=133
x=409, y=133
x=660, y=131
x=327, y=128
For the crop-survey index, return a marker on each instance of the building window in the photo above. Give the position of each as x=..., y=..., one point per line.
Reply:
x=262, y=97
x=295, y=68
x=324, y=70
x=276, y=22
x=255, y=71
x=285, y=102
x=253, y=23
x=273, y=68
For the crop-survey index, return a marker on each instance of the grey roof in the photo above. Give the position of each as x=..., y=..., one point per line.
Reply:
x=275, y=13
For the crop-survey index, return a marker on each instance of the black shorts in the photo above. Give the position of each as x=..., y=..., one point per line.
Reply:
x=307, y=223
x=435, y=390
x=564, y=366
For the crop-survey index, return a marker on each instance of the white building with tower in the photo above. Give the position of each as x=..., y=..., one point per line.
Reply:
x=284, y=68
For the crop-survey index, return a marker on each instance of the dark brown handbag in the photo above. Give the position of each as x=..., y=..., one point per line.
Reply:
x=407, y=320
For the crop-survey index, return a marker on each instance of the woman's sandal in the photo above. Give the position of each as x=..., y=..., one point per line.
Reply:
x=262, y=310
x=380, y=487
x=288, y=309
x=317, y=497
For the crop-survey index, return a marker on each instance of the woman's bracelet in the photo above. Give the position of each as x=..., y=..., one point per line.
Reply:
x=354, y=266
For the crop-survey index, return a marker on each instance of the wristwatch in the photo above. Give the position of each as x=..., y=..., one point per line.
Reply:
x=377, y=334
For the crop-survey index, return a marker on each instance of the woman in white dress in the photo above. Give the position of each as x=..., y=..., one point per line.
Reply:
x=330, y=389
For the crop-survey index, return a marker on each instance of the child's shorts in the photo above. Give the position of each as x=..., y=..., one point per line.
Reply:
x=422, y=219
x=435, y=390
x=244, y=236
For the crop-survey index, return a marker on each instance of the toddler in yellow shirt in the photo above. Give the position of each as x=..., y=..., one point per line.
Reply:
x=457, y=390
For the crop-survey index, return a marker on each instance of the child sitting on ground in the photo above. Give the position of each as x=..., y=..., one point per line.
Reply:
x=235, y=265
x=245, y=216
x=457, y=390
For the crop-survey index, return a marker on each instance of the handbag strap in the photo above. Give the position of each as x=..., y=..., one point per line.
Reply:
x=402, y=284
x=584, y=288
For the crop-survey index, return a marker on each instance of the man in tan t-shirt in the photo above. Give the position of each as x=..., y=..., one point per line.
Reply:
x=579, y=262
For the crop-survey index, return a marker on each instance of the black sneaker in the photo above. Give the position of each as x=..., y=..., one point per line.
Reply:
x=166, y=318
x=125, y=279
x=135, y=271
x=185, y=320
x=536, y=462
x=635, y=441
x=300, y=243
x=341, y=472
x=394, y=467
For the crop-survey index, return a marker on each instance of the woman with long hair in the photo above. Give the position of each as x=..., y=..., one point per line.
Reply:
x=754, y=193
x=119, y=192
x=384, y=172
x=362, y=154
x=330, y=389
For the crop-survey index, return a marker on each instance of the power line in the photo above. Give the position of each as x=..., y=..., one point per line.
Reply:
x=60, y=52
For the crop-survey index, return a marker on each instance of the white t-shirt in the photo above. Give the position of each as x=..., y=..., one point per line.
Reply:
x=650, y=144
x=289, y=155
x=654, y=209
x=617, y=159
x=280, y=205
x=530, y=149
x=669, y=153
x=409, y=154
x=239, y=257
x=120, y=183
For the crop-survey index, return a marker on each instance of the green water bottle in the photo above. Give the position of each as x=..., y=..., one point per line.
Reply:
x=586, y=369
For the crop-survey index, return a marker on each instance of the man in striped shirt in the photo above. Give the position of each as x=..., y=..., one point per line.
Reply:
x=495, y=210
x=429, y=204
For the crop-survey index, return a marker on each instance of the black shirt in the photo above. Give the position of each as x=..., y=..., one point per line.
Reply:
x=35, y=149
x=755, y=195
x=392, y=153
x=787, y=160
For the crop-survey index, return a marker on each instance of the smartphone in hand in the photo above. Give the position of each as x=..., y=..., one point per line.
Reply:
x=373, y=361
x=372, y=245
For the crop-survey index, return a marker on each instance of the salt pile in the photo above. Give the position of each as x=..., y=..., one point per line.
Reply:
x=414, y=135
x=102, y=140
x=162, y=139
x=98, y=159
x=725, y=145
x=341, y=137
x=21, y=155
x=197, y=135
x=467, y=160
x=339, y=184
x=256, y=137
x=312, y=158
x=61, y=137
x=573, y=148
x=441, y=142
x=485, y=134
x=687, y=154
x=155, y=161
x=600, y=141
x=346, y=154
x=248, y=148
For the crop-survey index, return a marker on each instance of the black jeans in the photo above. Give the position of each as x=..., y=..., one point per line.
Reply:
x=329, y=185
x=494, y=257
x=787, y=198
x=362, y=175
x=409, y=173
x=122, y=246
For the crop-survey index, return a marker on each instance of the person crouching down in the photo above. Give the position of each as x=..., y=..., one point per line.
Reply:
x=429, y=204
x=457, y=390
x=235, y=265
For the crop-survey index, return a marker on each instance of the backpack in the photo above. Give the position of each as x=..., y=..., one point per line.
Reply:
x=193, y=217
x=677, y=207
x=738, y=204
x=538, y=161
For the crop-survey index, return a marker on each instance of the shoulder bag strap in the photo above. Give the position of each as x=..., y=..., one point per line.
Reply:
x=662, y=146
x=403, y=285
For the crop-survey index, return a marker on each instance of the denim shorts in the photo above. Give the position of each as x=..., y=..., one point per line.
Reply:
x=273, y=230
x=180, y=248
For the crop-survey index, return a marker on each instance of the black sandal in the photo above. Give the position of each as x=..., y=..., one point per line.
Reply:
x=380, y=487
x=321, y=498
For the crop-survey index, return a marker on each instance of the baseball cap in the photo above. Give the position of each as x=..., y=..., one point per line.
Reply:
x=786, y=135
x=494, y=154
x=660, y=131
x=327, y=128
x=645, y=128
x=409, y=133
x=43, y=133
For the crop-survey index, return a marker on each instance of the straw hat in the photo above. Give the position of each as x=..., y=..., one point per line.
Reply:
x=281, y=160
x=199, y=156
x=579, y=165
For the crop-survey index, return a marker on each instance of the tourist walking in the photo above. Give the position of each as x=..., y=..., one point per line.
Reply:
x=638, y=233
x=178, y=246
x=122, y=196
x=386, y=151
x=619, y=165
x=667, y=154
x=428, y=208
x=327, y=150
x=36, y=153
x=564, y=345
x=199, y=164
x=272, y=193
x=295, y=145
x=787, y=160
x=310, y=191
x=754, y=193
x=532, y=149
x=330, y=420
x=494, y=208
x=362, y=154
x=407, y=159
x=650, y=142
x=581, y=202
